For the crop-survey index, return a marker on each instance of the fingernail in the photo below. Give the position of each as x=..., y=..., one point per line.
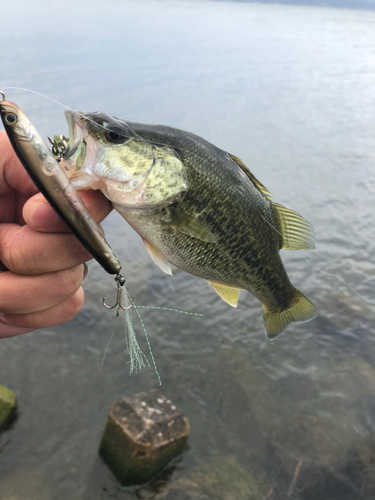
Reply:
x=85, y=270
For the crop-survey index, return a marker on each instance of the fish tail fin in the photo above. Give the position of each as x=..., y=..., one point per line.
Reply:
x=299, y=310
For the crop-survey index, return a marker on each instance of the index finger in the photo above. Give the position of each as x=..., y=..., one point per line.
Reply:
x=39, y=215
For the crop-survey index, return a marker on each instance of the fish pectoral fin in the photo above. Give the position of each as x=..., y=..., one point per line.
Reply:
x=297, y=232
x=263, y=190
x=191, y=226
x=299, y=310
x=228, y=293
x=157, y=257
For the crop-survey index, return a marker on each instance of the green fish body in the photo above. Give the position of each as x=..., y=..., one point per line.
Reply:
x=196, y=207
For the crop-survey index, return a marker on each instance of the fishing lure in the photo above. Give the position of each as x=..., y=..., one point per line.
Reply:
x=44, y=169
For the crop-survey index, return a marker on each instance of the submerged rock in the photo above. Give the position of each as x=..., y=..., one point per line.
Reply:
x=143, y=434
x=348, y=380
x=8, y=405
x=361, y=465
x=220, y=479
x=311, y=449
x=271, y=400
x=342, y=309
x=364, y=408
x=24, y=484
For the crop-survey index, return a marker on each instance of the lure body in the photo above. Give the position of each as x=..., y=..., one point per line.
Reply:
x=45, y=171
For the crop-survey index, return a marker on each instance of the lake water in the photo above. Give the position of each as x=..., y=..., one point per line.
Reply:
x=290, y=90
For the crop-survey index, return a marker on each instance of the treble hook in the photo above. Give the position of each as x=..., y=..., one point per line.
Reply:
x=60, y=146
x=120, y=280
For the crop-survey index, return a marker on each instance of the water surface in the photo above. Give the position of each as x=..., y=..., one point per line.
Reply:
x=290, y=91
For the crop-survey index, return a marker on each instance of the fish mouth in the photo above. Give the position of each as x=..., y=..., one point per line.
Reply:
x=83, y=151
x=76, y=125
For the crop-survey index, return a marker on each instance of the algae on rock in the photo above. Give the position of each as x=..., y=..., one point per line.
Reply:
x=8, y=405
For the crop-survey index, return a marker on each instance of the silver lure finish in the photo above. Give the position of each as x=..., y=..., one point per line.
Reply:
x=53, y=183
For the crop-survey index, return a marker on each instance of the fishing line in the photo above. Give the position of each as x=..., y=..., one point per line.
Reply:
x=56, y=102
x=342, y=280
x=169, y=309
x=136, y=355
x=41, y=95
x=204, y=160
x=140, y=137
x=82, y=115
x=145, y=332
x=148, y=342
x=109, y=341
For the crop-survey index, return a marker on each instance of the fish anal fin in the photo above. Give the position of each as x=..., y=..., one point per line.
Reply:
x=228, y=293
x=262, y=189
x=191, y=226
x=300, y=310
x=157, y=257
x=297, y=232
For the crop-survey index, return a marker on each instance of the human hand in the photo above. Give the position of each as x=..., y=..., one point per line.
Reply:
x=41, y=285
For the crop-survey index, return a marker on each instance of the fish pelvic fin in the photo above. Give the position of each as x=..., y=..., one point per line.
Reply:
x=300, y=310
x=228, y=293
x=297, y=232
x=157, y=257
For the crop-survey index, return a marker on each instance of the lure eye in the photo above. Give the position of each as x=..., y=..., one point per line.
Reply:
x=115, y=135
x=11, y=118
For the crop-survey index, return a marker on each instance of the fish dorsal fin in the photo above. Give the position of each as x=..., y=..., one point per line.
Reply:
x=157, y=257
x=191, y=226
x=228, y=293
x=262, y=189
x=297, y=233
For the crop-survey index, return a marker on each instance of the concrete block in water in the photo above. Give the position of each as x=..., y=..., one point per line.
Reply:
x=8, y=405
x=143, y=434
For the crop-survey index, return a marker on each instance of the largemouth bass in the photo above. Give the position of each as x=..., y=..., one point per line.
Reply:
x=196, y=207
x=52, y=181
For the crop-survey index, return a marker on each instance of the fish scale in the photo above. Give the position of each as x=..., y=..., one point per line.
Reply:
x=235, y=237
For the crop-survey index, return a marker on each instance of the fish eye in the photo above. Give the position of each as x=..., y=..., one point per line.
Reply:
x=115, y=135
x=11, y=118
